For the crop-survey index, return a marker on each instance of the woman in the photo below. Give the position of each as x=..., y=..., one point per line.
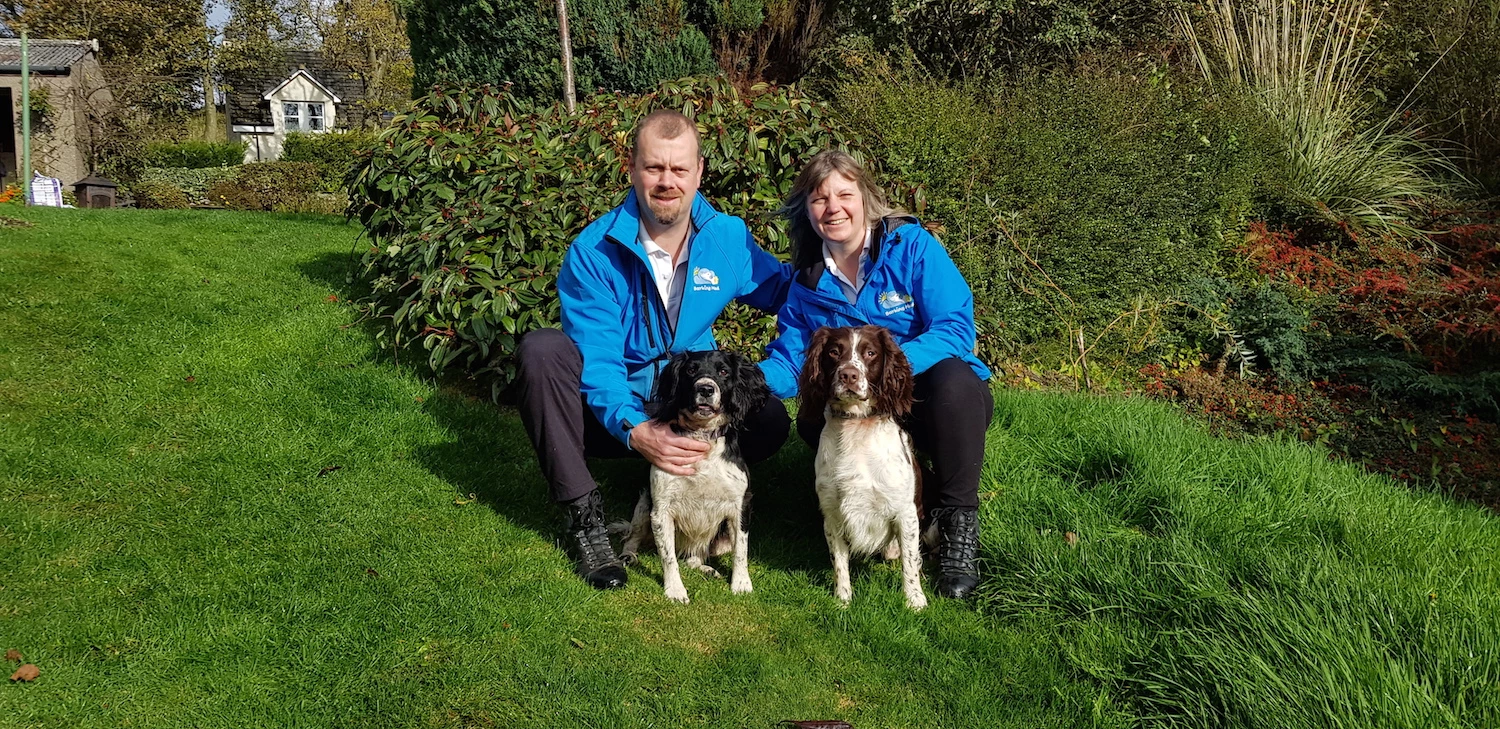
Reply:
x=858, y=261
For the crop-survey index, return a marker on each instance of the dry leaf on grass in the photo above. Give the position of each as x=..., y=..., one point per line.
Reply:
x=1071, y=538
x=13, y=655
x=27, y=672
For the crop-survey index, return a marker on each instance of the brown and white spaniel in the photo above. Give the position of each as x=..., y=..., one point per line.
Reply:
x=866, y=470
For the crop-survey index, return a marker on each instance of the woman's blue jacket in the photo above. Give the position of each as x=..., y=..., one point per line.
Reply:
x=911, y=288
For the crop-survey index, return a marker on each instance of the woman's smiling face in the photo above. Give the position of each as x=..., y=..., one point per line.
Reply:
x=836, y=209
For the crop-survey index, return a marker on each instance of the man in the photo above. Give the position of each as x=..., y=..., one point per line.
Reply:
x=641, y=283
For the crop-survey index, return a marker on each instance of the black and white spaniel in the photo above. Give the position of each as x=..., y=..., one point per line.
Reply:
x=866, y=470
x=706, y=396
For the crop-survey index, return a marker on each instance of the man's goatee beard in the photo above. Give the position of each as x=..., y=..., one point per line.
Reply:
x=663, y=216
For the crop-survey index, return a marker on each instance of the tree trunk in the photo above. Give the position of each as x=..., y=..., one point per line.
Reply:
x=211, y=122
x=569, y=99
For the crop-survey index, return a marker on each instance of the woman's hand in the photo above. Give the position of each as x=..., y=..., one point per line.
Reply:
x=666, y=450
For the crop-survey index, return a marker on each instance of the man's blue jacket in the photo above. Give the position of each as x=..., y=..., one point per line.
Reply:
x=911, y=288
x=611, y=308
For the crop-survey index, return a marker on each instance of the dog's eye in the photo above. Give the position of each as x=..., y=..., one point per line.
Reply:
x=835, y=351
x=869, y=354
x=723, y=372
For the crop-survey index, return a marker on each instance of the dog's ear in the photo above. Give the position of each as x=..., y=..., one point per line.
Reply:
x=813, y=386
x=895, y=393
x=666, y=389
x=748, y=393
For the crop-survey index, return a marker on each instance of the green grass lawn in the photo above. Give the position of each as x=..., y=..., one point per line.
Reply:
x=221, y=506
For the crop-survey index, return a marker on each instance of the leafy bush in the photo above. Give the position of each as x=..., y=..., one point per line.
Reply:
x=159, y=196
x=470, y=200
x=1439, y=58
x=1069, y=200
x=1256, y=325
x=1423, y=323
x=272, y=187
x=195, y=154
x=333, y=152
x=966, y=39
x=193, y=182
x=616, y=45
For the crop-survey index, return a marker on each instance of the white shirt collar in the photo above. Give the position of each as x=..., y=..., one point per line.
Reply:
x=849, y=288
x=670, y=280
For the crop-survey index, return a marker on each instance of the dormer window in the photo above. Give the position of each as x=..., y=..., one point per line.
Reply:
x=303, y=116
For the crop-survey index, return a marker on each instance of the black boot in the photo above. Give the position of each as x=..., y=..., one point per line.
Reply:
x=589, y=543
x=957, y=550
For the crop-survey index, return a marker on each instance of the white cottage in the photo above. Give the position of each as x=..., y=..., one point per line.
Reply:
x=309, y=96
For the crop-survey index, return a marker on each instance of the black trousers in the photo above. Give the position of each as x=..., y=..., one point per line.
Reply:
x=948, y=421
x=564, y=431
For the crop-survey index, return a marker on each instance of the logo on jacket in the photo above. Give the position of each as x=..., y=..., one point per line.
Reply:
x=704, y=279
x=892, y=302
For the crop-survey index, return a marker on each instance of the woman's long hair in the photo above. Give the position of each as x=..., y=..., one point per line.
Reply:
x=807, y=246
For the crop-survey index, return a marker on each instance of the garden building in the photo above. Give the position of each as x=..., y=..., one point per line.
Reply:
x=307, y=94
x=68, y=96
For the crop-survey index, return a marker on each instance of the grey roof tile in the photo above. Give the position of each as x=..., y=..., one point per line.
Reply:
x=45, y=53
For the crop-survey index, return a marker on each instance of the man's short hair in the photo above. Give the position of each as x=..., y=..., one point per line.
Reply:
x=667, y=124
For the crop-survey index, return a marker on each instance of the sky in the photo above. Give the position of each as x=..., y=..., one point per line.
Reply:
x=218, y=13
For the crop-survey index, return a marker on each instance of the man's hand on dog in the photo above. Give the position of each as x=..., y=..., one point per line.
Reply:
x=666, y=450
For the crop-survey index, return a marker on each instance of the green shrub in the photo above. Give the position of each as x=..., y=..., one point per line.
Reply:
x=1439, y=59
x=193, y=182
x=1255, y=325
x=1070, y=200
x=967, y=39
x=159, y=196
x=333, y=152
x=283, y=187
x=617, y=45
x=195, y=154
x=470, y=200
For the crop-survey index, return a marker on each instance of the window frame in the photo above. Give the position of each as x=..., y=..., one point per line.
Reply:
x=304, y=116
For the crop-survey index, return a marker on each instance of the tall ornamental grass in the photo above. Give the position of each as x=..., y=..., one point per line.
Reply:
x=1308, y=63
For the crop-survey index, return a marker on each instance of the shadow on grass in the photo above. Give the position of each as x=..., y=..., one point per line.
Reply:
x=491, y=458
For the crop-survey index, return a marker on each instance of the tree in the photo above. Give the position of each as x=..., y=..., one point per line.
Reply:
x=256, y=37
x=627, y=45
x=367, y=37
x=154, y=50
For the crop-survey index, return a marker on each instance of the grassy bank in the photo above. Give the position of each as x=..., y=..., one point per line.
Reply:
x=222, y=507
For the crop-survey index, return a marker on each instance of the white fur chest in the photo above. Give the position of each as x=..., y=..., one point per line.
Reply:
x=866, y=480
x=699, y=503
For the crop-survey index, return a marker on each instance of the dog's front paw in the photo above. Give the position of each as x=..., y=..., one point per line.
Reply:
x=630, y=558
x=740, y=585
x=916, y=601
x=677, y=594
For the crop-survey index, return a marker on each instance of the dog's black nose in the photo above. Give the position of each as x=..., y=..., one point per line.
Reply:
x=705, y=390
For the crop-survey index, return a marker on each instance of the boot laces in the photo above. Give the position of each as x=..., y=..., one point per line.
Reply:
x=590, y=537
x=958, y=531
